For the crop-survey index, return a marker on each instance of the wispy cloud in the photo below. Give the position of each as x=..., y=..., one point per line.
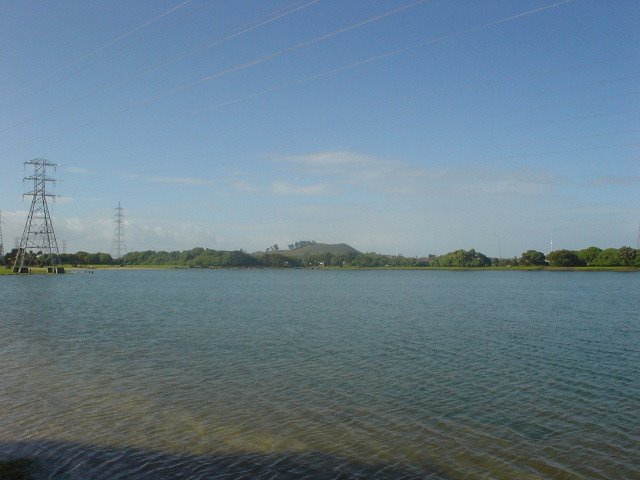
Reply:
x=78, y=170
x=356, y=169
x=616, y=181
x=526, y=181
x=181, y=181
x=286, y=188
x=336, y=162
x=244, y=186
x=63, y=200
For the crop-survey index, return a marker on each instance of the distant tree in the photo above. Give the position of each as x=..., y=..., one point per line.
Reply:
x=504, y=262
x=10, y=257
x=301, y=244
x=607, y=258
x=105, y=259
x=463, y=259
x=588, y=255
x=564, y=258
x=532, y=258
x=626, y=256
x=237, y=258
x=277, y=260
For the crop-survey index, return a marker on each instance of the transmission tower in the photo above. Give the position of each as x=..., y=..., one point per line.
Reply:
x=637, y=241
x=38, y=242
x=119, y=245
x=1, y=242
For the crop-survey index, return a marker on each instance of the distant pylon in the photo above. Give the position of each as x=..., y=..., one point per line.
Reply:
x=38, y=237
x=637, y=241
x=1, y=241
x=119, y=245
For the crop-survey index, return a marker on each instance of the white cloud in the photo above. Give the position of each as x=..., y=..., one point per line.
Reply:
x=494, y=182
x=63, y=200
x=77, y=170
x=244, y=186
x=286, y=188
x=399, y=178
x=338, y=158
x=616, y=181
x=182, y=181
x=357, y=169
x=164, y=235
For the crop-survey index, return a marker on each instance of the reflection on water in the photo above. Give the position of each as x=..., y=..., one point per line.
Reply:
x=322, y=374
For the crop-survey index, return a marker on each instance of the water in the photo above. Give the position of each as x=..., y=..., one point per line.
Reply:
x=322, y=374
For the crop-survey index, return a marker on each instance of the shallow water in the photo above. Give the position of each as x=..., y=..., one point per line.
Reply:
x=322, y=374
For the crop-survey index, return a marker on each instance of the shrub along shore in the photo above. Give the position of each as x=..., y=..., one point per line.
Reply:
x=592, y=258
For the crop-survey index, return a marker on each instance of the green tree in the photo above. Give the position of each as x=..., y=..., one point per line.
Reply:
x=532, y=258
x=607, y=258
x=105, y=259
x=588, y=255
x=462, y=258
x=626, y=256
x=564, y=258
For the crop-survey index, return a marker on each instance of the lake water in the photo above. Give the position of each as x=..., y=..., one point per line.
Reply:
x=322, y=374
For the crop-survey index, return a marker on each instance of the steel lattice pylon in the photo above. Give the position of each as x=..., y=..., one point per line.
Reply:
x=119, y=245
x=1, y=242
x=38, y=243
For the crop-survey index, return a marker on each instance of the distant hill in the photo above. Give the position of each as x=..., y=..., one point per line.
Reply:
x=319, y=248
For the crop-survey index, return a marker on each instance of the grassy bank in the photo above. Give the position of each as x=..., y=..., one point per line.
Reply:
x=69, y=269
x=497, y=269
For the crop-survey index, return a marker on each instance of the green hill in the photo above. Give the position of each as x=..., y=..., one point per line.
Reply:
x=320, y=248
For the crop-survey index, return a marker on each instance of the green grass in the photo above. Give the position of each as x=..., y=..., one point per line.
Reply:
x=69, y=269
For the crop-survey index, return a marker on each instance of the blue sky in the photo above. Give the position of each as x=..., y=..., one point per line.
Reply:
x=395, y=126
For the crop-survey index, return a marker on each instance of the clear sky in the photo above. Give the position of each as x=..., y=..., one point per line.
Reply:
x=402, y=126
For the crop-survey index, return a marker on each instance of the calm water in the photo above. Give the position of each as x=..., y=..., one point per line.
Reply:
x=322, y=374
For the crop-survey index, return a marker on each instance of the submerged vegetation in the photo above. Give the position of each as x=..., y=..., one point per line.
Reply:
x=310, y=254
x=15, y=469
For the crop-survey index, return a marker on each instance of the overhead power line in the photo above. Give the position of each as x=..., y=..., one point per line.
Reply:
x=374, y=58
x=278, y=53
x=94, y=52
x=272, y=17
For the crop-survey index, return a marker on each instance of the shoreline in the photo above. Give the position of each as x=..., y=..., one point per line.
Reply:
x=77, y=270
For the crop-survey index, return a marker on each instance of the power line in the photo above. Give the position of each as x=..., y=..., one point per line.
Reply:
x=278, y=53
x=377, y=57
x=265, y=21
x=368, y=60
x=95, y=51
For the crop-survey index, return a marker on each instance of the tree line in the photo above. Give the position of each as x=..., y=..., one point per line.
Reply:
x=206, y=258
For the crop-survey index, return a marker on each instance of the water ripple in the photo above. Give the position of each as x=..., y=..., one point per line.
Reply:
x=242, y=374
